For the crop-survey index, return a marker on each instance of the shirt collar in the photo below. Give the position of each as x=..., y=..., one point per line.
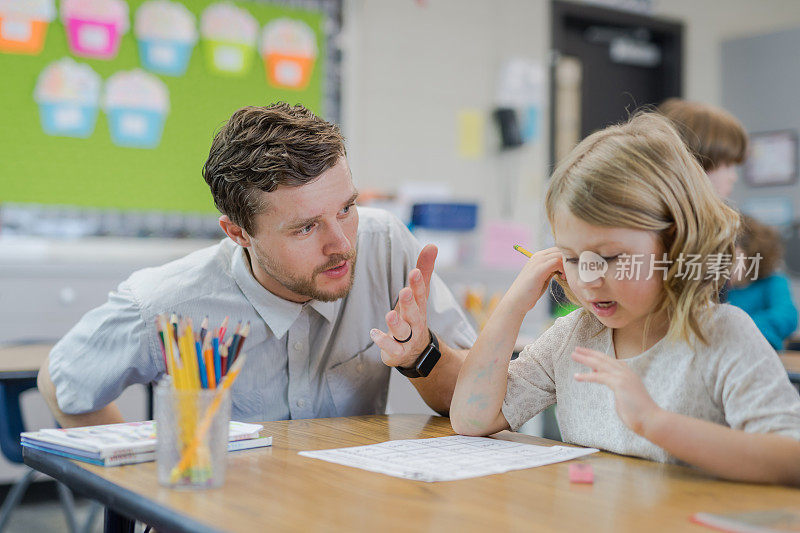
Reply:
x=279, y=314
x=326, y=309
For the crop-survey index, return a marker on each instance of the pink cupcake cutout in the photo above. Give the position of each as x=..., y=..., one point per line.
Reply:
x=229, y=36
x=23, y=25
x=136, y=103
x=289, y=50
x=95, y=27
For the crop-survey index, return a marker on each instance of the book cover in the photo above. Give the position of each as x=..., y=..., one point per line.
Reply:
x=131, y=458
x=769, y=520
x=141, y=457
x=117, y=440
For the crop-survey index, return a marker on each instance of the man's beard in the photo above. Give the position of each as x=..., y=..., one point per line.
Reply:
x=306, y=286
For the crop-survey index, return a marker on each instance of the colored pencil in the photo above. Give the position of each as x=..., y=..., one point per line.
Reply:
x=203, y=329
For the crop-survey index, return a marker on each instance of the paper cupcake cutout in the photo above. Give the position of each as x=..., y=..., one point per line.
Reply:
x=289, y=50
x=166, y=32
x=137, y=104
x=94, y=27
x=68, y=94
x=229, y=38
x=23, y=25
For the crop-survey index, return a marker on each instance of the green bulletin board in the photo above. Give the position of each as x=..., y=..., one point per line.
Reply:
x=95, y=172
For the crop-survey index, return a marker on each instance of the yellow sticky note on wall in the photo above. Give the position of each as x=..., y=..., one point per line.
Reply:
x=471, y=126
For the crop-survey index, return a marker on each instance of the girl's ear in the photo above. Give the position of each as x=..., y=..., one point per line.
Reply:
x=668, y=236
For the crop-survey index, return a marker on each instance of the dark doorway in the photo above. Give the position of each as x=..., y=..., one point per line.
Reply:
x=622, y=61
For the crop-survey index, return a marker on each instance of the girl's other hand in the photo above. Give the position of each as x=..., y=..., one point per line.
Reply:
x=634, y=404
x=535, y=277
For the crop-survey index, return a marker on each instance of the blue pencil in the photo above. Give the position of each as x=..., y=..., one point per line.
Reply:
x=217, y=360
x=201, y=365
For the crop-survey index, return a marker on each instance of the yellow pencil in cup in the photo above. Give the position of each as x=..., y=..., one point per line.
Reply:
x=204, y=425
x=522, y=250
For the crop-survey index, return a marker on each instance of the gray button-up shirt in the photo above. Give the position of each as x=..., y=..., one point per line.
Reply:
x=303, y=360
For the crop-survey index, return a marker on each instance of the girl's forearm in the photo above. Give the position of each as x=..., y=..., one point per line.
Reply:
x=725, y=452
x=481, y=386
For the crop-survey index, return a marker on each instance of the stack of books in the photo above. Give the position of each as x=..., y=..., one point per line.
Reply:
x=127, y=443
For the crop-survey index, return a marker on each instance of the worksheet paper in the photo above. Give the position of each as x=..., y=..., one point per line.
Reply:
x=448, y=458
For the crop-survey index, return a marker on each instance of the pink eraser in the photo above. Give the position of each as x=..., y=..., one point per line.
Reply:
x=581, y=473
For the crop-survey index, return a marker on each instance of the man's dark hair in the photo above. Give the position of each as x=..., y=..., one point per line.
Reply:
x=261, y=148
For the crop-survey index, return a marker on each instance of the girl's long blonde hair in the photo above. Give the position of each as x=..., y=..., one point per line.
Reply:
x=640, y=175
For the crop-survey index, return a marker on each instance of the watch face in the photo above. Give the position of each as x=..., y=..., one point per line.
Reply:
x=428, y=361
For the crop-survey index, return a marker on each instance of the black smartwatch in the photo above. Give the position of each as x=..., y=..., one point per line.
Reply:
x=425, y=362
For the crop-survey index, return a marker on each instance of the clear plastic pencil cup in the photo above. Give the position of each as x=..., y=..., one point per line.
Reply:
x=192, y=441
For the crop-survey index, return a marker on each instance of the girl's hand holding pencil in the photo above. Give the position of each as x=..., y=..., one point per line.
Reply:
x=535, y=277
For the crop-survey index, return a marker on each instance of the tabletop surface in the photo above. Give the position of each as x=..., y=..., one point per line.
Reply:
x=23, y=360
x=791, y=361
x=277, y=488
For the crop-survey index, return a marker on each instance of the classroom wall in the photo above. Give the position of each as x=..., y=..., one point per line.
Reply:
x=760, y=78
x=710, y=22
x=411, y=66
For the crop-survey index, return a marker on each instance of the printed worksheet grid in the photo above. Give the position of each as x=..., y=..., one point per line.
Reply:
x=447, y=458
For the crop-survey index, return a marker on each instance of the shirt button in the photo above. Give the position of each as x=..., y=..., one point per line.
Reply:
x=298, y=346
x=301, y=403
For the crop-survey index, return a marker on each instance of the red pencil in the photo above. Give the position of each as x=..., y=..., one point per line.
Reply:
x=222, y=329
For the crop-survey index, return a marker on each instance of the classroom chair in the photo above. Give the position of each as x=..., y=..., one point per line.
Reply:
x=11, y=425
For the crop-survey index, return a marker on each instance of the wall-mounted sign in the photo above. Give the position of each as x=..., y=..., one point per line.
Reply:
x=772, y=159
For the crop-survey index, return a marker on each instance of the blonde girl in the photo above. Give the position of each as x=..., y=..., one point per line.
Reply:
x=649, y=365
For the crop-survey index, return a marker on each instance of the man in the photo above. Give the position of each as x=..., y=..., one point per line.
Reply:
x=313, y=274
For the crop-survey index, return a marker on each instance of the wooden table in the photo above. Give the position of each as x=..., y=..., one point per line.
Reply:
x=22, y=361
x=277, y=489
x=791, y=361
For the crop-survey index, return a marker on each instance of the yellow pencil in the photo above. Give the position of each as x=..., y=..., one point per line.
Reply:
x=180, y=381
x=205, y=424
x=522, y=250
x=191, y=355
x=167, y=345
x=183, y=365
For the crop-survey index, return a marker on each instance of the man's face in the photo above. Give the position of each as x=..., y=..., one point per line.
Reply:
x=304, y=245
